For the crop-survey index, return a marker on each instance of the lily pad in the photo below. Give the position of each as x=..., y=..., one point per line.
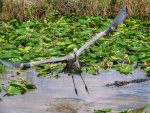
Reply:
x=126, y=69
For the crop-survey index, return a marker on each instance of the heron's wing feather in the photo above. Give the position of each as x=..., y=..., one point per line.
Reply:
x=51, y=60
x=12, y=64
x=86, y=45
x=17, y=65
x=119, y=18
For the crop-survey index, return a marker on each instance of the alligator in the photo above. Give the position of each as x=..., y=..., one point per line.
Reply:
x=123, y=83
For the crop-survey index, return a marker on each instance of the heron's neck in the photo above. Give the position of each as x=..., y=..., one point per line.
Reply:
x=75, y=56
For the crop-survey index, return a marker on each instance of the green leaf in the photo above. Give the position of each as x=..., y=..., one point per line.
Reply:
x=61, y=43
x=11, y=90
x=92, y=70
x=147, y=69
x=148, y=106
x=29, y=86
x=10, y=46
x=103, y=111
x=0, y=89
x=126, y=69
x=24, y=51
x=28, y=48
x=71, y=47
x=2, y=40
x=52, y=52
x=114, y=58
x=133, y=58
x=15, y=82
x=101, y=54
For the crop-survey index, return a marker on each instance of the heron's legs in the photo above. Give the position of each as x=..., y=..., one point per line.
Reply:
x=75, y=89
x=78, y=67
x=86, y=88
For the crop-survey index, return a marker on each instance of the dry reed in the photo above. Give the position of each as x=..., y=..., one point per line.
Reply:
x=23, y=10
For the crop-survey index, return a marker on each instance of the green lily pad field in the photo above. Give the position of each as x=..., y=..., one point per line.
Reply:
x=124, y=49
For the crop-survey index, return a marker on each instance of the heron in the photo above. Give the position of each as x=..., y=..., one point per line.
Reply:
x=72, y=58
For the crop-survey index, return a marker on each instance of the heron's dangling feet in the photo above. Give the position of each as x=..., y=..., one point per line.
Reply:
x=86, y=88
x=75, y=89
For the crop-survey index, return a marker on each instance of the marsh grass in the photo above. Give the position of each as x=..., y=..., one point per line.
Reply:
x=40, y=9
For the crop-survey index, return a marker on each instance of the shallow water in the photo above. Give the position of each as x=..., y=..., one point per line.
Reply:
x=58, y=96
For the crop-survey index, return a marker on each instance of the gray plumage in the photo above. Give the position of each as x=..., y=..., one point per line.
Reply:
x=119, y=18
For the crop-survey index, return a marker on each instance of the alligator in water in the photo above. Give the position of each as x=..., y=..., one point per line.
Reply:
x=122, y=83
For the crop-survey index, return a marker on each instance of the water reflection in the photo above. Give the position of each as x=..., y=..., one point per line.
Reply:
x=58, y=96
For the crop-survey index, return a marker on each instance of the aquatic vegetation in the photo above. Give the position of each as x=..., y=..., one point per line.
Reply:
x=0, y=89
x=103, y=110
x=137, y=110
x=19, y=86
x=147, y=69
x=55, y=37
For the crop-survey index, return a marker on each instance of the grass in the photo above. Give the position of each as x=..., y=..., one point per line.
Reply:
x=23, y=10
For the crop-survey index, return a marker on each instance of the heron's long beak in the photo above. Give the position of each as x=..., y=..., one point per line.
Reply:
x=74, y=53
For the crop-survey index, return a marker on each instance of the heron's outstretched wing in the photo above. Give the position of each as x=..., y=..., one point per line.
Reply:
x=30, y=64
x=12, y=64
x=119, y=18
x=85, y=46
x=51, y=60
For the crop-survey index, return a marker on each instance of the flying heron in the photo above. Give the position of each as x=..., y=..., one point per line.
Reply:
x=72, y=58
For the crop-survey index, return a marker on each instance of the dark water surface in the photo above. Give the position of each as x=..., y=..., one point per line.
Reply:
x=58, y=96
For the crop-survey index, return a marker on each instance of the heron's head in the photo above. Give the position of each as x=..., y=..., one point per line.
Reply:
x=74, y=51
